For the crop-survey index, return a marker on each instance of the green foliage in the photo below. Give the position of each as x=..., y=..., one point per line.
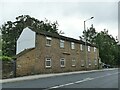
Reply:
x=108, y=48
x=12, y=30
x=0, y=45
x=107, y=45
x=90, y=34
x=5, y=58
x=118, y=60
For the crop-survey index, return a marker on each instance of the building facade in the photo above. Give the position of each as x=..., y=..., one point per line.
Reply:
x=52, y=53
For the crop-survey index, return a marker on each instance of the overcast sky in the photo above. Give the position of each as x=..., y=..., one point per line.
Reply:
x=69, y=14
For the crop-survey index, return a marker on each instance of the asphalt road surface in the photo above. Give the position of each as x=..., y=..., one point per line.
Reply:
x=99, y=79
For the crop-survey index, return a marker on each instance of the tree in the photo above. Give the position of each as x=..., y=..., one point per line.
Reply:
x=0, y=45
x=90, y=34
x=107, y=45
x=12, y=30
x=119, y=55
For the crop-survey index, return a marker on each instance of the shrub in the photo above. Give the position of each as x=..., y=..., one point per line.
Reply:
x=5, y=58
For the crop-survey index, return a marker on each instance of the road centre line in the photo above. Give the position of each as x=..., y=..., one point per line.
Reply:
x=86, y=79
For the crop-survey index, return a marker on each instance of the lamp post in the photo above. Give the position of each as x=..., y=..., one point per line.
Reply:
x=86, y=63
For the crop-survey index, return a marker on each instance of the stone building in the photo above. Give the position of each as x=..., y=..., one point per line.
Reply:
x=41, y=52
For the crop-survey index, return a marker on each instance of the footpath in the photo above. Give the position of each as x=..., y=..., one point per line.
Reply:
x=33, y=77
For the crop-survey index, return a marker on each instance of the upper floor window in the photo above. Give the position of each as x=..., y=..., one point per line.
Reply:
x=88, y=48
x=62, y=62
x=81, y=47
x=48, y=41
x=72, y=45
x=62, y=43
x=94, y=49
x=48, y=62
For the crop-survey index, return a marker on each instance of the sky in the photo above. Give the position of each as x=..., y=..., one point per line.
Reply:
x=70, y=14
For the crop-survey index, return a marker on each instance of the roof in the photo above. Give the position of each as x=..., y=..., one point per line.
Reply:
x=55, y=35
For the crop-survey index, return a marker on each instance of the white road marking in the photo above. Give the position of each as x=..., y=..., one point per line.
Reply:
x=86, y=79
x=69, y=84
x=61, y=85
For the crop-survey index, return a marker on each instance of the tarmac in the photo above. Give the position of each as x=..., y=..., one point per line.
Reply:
x=33, y=77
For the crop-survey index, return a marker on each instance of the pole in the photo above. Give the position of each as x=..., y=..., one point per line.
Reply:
x=85, y=47
x=86, y=61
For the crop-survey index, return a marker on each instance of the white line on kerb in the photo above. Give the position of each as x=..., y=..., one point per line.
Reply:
x=86, y=79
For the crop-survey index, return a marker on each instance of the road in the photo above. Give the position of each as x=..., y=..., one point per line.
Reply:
x=99, y=79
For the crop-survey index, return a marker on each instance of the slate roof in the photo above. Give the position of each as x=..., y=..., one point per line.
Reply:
x=55, y=35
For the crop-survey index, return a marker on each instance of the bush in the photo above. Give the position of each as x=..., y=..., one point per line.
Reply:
x=5, y=58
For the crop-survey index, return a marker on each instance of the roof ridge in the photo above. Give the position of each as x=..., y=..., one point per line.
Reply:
x=55, y=35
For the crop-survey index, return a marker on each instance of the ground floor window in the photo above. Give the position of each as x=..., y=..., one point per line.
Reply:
x=82, y=63
x=62, y=62
x=73, y=62
x=48, y=62
x=89, y=62
x=95, y=62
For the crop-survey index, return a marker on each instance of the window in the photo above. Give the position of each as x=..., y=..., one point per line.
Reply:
x=82, y=63
x=62, y=43
x=73, y=62
x=88, y=48
x=48, y=41
x=72, y=45
x=89, y=62
x=62, y=62
x=95, y=62
x=48, y=62
x=81, y=47
x=94, y=49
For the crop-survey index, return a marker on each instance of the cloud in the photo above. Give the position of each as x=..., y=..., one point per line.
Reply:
x=70, y=15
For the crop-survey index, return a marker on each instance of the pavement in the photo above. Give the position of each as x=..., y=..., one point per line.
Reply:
x=33, y=77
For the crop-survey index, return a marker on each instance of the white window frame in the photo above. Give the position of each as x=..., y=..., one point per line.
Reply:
x=62, y=45
x=81, y=47
x=95, y=61
x=46, y=60
x=89, y=62
x=73, y=62
x=82, y=63
x=89, y=48
x=50, y=39
x=72, y=45
x=62, y=60
x=94, y=49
